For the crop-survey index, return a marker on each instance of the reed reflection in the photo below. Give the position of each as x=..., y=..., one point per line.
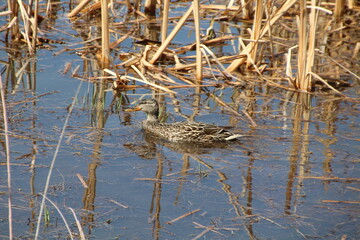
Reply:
x=299, y=152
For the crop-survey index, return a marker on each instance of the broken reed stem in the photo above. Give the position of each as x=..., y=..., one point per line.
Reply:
x=182, y=216
x=195, y=6
x=171, y=35
x=78, y=8
x=105, y=42
x=8, y=169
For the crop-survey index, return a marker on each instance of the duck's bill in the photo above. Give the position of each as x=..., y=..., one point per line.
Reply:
x=133, y=109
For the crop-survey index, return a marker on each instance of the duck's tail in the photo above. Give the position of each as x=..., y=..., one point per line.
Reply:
x=235, y=136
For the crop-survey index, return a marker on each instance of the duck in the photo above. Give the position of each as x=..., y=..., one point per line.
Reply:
x=184, y=132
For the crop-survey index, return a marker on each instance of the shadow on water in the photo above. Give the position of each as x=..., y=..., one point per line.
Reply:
x=293, y=176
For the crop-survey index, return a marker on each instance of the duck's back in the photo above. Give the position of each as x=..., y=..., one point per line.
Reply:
x=187, y=131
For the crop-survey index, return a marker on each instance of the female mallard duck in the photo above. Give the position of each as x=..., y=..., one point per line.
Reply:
x=180, y=131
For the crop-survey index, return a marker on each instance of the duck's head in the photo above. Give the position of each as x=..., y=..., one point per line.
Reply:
x=149, y=106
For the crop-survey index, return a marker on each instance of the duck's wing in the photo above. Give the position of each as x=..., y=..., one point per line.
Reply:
x=198, y=131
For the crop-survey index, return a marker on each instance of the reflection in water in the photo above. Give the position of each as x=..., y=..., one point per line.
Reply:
x=299, y=154
x=99, y=121
x=155, y=206
x=149, y=149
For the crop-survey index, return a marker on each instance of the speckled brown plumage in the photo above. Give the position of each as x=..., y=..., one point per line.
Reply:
x=181, y=131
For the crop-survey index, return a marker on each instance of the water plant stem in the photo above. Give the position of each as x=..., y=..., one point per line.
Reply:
x=53, y=162
x=8, y=168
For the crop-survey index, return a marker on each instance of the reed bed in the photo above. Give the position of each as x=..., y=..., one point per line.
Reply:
x=268, y=18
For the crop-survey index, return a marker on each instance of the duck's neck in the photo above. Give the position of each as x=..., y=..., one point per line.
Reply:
x=152, y=117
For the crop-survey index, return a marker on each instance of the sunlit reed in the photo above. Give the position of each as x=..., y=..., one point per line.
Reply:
x=105, y=41
x=198, y=74
x=8, y=163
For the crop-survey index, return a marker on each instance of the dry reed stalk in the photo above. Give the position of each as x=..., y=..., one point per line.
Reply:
x=150, y=7
x=274, y=17
x=268, y=12
x=351, y=4
x=222, y=68
x=27, y=23
x=182, y=216
x=156, y=179
x=246, y=10
x=5, y=13
x=117, y=203
x=195, y=6
x=288, y=68
x=207, y=229
x=14, y=22
x=202, y=226
x=302, y=43
x=8, y=168
x=171, y=36
x=129, y=6
x=324, y=178
x=338, y=201
x=255, y=35
x=35, y=25
x=306, y=52
x=219, y=7
x=144, y=80
x=91, y=8
x=326, y=84
x=78, y=224
x=120, y=40
x=191, y=65
x=184, y=49
x=81, y=179
x=78, y=8
x=339, y=8
x=105, y=41
x=230, y=4
x=192, y=86
x=313, y=19
x=165, y=20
